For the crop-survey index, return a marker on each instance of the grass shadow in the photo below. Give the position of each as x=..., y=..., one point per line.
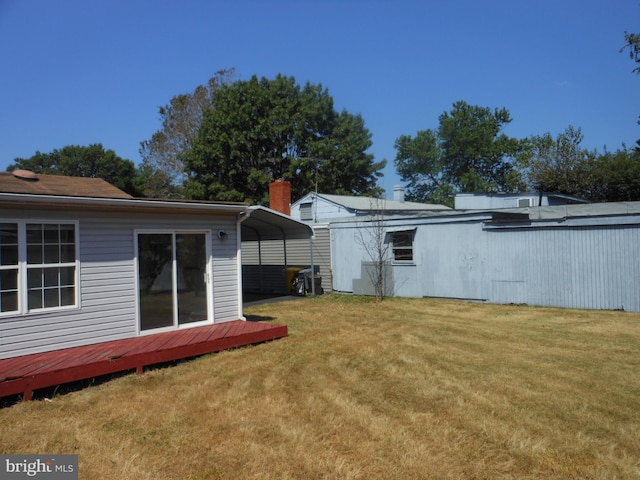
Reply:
x=259, y=318
x=49, y=393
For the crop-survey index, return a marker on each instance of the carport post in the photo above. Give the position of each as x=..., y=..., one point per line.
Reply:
x=286, y=264
x=313, y=273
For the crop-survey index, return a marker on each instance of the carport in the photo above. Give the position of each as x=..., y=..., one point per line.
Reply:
x=260, y=224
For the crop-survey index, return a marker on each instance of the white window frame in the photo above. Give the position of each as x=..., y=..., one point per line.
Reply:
x=13, y=267
x=23, y=267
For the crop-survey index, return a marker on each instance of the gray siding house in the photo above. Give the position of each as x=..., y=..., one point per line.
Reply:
x=578, y=256
x=265, y=263
x=316, y=208
x=82, y=262
x=317, y=211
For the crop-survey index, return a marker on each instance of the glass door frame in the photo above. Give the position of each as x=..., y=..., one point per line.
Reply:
x=208, y=283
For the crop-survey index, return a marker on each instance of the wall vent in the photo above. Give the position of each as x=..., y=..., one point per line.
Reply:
x=306, y=211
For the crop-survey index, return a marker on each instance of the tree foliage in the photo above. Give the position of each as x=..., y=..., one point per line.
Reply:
x=80, y=161
x=632, y=43
x=162, y=162
x=467, y=153
x=616, y=176
x=559, y=165
x=152, y=182
x=562, y=165
x=261, y=130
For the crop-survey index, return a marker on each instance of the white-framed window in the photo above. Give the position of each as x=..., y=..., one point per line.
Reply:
x=9, y=267
x=402, y=245
x=38, y=265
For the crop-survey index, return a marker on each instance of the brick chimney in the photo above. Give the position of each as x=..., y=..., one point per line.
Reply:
x=280, y=196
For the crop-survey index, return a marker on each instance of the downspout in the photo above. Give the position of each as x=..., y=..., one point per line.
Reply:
x=286, y=264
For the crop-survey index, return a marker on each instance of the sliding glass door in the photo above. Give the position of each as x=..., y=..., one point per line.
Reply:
x=172, y=279
x=191, y=267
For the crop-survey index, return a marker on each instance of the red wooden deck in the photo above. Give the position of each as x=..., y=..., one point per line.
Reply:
x=23, y=375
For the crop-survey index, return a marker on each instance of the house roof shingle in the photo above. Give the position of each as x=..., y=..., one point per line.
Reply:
x=23, y=182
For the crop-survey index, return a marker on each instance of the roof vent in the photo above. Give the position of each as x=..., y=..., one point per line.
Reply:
x=25, y=175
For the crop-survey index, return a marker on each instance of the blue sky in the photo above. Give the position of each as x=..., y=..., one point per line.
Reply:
x=95, y=71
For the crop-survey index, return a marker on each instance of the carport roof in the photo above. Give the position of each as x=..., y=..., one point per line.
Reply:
x=262, y=223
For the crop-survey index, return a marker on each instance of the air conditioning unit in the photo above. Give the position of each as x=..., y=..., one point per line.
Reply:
x=526, y=202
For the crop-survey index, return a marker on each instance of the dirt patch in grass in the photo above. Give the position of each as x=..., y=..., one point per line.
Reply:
x=404, y=389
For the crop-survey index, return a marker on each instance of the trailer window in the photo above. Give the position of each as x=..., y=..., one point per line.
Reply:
x=402, y=246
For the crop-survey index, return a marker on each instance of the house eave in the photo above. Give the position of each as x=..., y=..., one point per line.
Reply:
x=129, y=205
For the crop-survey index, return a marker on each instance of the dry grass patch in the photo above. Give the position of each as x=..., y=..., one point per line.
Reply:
x=405, y=389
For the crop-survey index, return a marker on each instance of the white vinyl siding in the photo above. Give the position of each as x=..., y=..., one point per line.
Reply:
x=107, y=308
x=318, y=209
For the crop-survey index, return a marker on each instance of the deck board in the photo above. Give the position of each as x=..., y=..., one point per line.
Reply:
x=23, y=375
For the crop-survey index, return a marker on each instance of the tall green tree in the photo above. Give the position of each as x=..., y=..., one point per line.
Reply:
x=81, y=161
x=616, y=176
x=162, y=155
x=260, y=130
x=419, y=162
x=339, y=163
x=468, y=152
x=560, y=165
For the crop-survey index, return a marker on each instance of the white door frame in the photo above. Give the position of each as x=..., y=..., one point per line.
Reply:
x=208, y=278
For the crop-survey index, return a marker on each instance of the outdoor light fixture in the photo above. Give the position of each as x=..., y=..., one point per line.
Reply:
x=222, y=235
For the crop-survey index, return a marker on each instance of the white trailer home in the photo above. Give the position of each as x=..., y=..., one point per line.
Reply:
x=578, y=256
